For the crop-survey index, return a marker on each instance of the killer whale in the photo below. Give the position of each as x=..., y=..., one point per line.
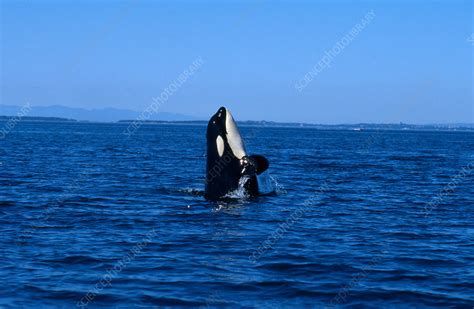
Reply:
x=228, y=166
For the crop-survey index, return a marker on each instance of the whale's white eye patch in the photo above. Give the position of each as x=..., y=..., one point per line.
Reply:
x=220, y=145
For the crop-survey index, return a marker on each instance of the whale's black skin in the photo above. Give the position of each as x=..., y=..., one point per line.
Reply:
x=227, y=160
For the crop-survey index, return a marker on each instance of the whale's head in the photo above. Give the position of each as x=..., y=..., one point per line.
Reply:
x=223, y=136
x=227, y=159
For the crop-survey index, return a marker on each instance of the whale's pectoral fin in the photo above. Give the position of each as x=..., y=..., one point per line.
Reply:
x=261, y=162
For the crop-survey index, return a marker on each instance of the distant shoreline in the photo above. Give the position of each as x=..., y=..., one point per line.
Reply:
x=355, y=127
x=59, y=113
x=273, y=124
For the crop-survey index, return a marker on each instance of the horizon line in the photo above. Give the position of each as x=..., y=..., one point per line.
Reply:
x=198, y=118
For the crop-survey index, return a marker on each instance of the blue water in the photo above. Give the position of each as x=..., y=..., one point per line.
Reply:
x=92, y=218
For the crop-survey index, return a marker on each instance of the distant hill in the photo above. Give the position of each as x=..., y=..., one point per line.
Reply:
x=44, y=119
x=63, y=113
x=96, y=115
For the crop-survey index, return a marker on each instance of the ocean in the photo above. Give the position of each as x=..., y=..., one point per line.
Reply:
x=93, y=218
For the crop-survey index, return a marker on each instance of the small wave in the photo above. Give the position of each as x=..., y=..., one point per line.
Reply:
x=283, y=266
x=419, y=261
x=415, y=158
x=7, y=203
x=232, y=206
x=168, y=301
x=48, y=226
x=53, y=294
x=279, y=188
x=182, y=191
x=75, y=259
x=419, y=297
x=89, y=199
x=191, y=191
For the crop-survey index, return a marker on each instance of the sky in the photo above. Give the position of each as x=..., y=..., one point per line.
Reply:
x=412, y=62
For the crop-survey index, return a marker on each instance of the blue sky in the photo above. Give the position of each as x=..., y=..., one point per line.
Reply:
x=412, y=63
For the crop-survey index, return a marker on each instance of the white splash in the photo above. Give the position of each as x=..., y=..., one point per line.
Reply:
x=266, y=183
x=240, y=192
x=277, y=187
